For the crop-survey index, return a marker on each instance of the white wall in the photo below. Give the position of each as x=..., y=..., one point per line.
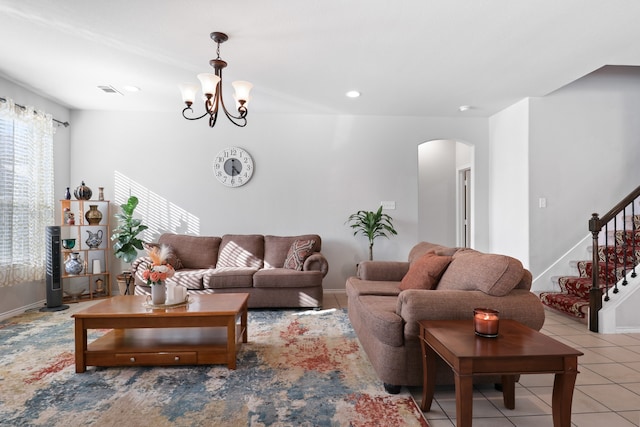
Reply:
x=509, y=182
x=311, y=173
x=14, y=299
x=583, y=157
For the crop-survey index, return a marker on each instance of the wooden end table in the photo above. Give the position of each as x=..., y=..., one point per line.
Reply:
x=518, y=349
x=205, y=331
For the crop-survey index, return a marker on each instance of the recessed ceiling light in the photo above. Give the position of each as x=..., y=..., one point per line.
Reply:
x=132, y=89
x=353, y=94
x=464, y=108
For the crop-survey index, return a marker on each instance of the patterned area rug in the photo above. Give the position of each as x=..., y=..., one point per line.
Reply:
x=299, y=368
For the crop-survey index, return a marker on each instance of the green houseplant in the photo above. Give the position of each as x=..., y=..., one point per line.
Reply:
x=372, y=225
x=126, y=240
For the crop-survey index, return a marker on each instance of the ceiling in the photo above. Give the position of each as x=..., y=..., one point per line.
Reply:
x=407, y=58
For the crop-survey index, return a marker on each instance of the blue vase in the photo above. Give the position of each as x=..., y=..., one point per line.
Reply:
x=73, y=264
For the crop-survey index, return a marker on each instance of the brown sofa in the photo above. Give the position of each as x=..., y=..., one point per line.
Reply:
x=387, y=299
x=276, y=271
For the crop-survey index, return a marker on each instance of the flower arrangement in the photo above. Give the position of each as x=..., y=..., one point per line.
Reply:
x=159, y=270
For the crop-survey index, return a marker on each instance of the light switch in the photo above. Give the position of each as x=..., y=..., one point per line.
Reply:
x=542, y=202
x=388, y=205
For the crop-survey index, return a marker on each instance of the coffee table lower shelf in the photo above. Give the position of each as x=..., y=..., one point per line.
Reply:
x=161, y=347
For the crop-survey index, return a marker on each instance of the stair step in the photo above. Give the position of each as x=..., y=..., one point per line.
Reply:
x=570, y=304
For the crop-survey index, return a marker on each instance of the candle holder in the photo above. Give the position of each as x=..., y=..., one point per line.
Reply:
x=485, y=322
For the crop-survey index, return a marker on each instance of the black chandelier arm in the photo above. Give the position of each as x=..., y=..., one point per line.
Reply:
x=184, y=114
x=240, y=120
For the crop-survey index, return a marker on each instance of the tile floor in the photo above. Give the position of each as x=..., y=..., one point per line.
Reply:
x=607, y=391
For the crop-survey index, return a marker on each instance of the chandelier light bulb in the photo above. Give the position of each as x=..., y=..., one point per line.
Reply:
x=189, y=91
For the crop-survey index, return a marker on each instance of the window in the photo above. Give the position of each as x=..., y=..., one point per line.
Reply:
x=26, y=192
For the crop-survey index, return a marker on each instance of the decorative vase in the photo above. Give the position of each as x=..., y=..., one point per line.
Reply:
x=99, y=286
x=82, y=192
x=93, y=215
x=100, y=193
x=73, y=264
x=94, y=240
x=158, y=294
x=67, y=195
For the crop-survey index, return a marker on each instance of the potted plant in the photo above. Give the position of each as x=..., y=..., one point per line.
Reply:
x=127, y=243
x=372, y=225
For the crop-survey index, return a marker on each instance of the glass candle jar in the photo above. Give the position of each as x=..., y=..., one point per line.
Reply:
x=485, y=322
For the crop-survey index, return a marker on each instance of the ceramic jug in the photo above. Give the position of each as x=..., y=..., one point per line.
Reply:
x=95, y=239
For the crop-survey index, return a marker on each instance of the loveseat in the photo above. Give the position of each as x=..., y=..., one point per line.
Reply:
x=387, y=298
x=276, y=271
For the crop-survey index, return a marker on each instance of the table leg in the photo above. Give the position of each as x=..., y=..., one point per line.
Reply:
x=509, y=391
x=231, y=342
x=81, y=346
x=563, y=393
x=464, y=400
x=428, y=375
x=243, y=323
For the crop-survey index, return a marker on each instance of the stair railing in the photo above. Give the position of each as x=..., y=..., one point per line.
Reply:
x=621, y=265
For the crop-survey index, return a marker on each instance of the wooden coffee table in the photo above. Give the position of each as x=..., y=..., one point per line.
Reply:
x=205, y=331
x=518, y=349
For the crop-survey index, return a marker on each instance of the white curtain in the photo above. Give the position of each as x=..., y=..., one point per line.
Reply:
x=26, y=192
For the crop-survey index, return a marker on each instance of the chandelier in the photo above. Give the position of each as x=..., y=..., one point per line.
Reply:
x=212, y=90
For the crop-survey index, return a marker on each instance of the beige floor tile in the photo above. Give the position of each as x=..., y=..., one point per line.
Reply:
x=608, y=419
x=632, y=416
x=617, y=354
x=635, y=348
x=613, y=396
x=592, y=356
x=633, y=365
x=581, y=403
x=587, y=340
x=564, y=330
x=440, y=423
x=634, y=387
x=621, y=339
x=527, y=403
x=589, y=377
x=617, y=373
x=536, y=380
x=532, y=421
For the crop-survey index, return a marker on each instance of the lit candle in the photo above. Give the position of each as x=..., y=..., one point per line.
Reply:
x=485, y=322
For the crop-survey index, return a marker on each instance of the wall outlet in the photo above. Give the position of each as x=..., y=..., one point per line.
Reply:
x=388, y=205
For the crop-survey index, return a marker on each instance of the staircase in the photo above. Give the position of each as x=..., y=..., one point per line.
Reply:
x=615, y=253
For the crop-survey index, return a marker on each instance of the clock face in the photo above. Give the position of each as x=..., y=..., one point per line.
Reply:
x=233, y=166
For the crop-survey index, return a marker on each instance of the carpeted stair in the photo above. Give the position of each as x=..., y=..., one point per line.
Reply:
x=573, y=299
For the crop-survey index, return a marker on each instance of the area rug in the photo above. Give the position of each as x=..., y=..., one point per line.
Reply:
x=299, y=368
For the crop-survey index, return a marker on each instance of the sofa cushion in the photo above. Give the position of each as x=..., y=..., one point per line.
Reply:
x=276, y=248
x=286, y=278
x=172, y=259
x=193, y=251
x=425, y=272
x=492, y=274
x=189, y=278
x=298, y=253
x=241, y=250
x=229, y=277
x=423, y=248
x=355, y=287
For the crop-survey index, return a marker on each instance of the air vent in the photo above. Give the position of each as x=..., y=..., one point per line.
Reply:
x=109, y=89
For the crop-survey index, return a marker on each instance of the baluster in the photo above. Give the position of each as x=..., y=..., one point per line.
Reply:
x=595, y=293
x=606, y=261
x=633, y=238
x=625, y=247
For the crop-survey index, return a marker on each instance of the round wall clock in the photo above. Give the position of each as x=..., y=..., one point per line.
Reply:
x=233, y=166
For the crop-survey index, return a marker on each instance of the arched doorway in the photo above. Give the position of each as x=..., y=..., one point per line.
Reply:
x=446, y=192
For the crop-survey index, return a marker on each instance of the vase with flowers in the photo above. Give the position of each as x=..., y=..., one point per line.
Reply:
x=157, y=273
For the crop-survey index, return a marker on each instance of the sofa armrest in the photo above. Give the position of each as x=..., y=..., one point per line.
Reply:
x=390, y=271
x=414, y=305
x=316, y=262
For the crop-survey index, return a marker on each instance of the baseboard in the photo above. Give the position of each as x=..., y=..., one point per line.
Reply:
x=20, y=310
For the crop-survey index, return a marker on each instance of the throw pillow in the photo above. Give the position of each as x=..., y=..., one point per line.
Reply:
x=425, y=272
x=298, y=253
x=171, y=259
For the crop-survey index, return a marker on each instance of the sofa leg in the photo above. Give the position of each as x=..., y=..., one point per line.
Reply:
x=497, y=386
x=392, y=389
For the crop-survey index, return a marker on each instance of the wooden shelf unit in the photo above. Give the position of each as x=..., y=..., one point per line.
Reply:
x=79, y=230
